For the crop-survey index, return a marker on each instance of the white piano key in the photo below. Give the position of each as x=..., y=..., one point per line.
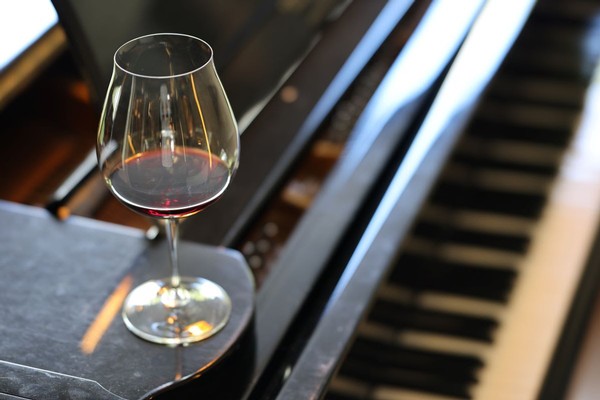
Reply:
x=352, y=387
x=420, y=340
x=479, y=220
x=508, y=181
x=442, y=302
x=384, y=392
x=464, y=254
x=443, y=343
x=479, y=256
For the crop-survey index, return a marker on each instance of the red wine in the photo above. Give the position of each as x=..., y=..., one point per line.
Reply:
x=172, y=183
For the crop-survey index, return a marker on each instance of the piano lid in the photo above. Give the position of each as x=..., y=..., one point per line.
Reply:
x=257, y=43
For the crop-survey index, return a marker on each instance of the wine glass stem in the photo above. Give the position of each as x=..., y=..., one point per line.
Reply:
x=172, y=226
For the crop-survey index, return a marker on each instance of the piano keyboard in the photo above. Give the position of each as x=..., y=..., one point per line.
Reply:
x=478, y=295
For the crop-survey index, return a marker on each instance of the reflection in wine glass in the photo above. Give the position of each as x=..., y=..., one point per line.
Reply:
x=168, y=147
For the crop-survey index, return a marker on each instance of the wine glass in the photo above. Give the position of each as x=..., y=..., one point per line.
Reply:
x=168, y=147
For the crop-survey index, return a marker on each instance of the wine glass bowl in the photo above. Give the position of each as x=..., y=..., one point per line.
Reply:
x=168, y=147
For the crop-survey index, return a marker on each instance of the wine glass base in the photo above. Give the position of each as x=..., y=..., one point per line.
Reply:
x=195, y=310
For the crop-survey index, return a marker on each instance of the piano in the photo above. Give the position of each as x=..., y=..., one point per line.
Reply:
x=418, y=195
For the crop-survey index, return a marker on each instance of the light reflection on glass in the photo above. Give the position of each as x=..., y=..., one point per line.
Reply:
x=199, y=327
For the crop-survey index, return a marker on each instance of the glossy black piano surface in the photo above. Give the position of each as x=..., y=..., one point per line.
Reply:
x=63, y=337
x=365, y=127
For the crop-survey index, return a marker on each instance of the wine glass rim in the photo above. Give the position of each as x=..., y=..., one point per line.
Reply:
x=208, y=61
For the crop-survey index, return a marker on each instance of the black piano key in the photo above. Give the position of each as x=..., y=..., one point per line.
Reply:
x=577, y=12
x=376, y=374
x=557, y=35
x=461, y=368
x=332, y=395
x=464, y=196
x=553, y=64
x=553, y=70
x=423, y=273
x=407, y=316
x=507, y=130
x=481, y=161
x=567, y=95
x=448, y=233
x=551, y=50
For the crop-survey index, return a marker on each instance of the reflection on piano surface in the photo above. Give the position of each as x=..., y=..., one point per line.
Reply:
x=480, y=290
x=478, y=294
x=476, y=283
